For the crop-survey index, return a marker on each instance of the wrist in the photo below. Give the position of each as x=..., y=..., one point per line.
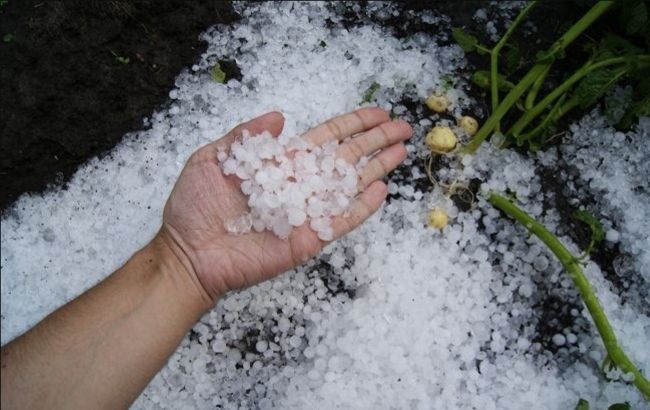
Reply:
x=174, y=265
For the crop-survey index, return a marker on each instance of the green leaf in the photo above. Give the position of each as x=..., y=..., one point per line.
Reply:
x=612, y=45
x=217, y=74
x=467, y=42
x=370, y=92
x=7, y=38
x=322, y=43
x=620, y=406
x=482, y=79
x=594, y=85
x=634, y=16
x=582, y=405
x=123, y=60
x=447, y=82
x=597, y=232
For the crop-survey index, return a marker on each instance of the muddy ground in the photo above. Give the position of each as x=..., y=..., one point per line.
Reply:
x=75, y=76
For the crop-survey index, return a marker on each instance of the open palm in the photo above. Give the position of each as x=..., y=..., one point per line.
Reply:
x=203, y=199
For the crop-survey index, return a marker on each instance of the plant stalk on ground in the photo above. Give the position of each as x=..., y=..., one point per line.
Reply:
x=572, y=266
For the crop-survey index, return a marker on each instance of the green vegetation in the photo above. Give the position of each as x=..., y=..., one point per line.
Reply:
x=369, y=94
x=597, y=233
x=120, y=59
x=584, y=405
x=217, y=74
x=572, y=266
x=611, y=59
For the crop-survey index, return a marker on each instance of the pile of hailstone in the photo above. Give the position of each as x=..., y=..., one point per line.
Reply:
x=289, y=181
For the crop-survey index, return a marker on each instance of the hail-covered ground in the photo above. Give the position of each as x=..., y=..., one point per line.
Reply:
x=396, y=314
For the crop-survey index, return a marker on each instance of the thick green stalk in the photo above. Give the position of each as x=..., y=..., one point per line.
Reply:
x=535, y=111
x=534, y=90
x=494, y=57
x=581, y=25
x=571, y=265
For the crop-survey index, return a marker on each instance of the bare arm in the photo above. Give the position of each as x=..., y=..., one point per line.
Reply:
x=101, y=349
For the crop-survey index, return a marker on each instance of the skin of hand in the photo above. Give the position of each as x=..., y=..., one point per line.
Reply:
x=204, y=199
x=101, y=349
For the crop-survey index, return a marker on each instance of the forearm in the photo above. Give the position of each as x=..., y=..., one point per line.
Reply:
x=101, y=349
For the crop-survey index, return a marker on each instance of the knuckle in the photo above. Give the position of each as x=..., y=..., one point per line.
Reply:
x=334, y=128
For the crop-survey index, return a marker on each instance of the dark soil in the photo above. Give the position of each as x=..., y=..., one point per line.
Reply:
x=75, y=76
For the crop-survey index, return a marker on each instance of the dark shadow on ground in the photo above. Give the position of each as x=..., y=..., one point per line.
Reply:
x=75, y=76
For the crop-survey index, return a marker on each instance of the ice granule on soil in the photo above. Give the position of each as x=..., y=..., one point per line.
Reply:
x=394, y=315
x=612, y=167
x=289, y=181
x=497, y=16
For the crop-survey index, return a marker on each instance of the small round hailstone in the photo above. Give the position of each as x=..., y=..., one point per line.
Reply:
x=571, y=338
x=219, y=346
x=261, y=346
x=438, y=103
x=559, y=339
x=295, y=341
x=441, y=140
x=284, y=324
x=468, y=124
x=289, y=182
x=613, y=235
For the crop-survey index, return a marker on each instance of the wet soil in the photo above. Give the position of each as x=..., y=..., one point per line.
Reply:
x=75, y=76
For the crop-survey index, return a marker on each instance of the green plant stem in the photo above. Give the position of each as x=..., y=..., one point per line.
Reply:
x=534, y=90
x=482, y=49
x=535, y=111
x=507, y=103
x=538, y=69
x=614, y=350
x=550, y=118
x=494, y=57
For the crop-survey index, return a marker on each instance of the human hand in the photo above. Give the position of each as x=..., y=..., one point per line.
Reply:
x=203, y=199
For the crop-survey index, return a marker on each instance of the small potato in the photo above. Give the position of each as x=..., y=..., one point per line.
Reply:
x=469, y=124
x=438, y=103
x=438, y=218
x=441, y=140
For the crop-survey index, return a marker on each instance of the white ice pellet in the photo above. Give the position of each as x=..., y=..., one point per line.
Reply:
x=612, y=235
x=559, y=339
x=285, y=190
x=284, y=324
x=261, y=346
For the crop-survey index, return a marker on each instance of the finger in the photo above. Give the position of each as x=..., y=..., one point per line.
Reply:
x=382, y=163
x=343, y=126
x=272, y=122
x=381, y=136
x=364, y=205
